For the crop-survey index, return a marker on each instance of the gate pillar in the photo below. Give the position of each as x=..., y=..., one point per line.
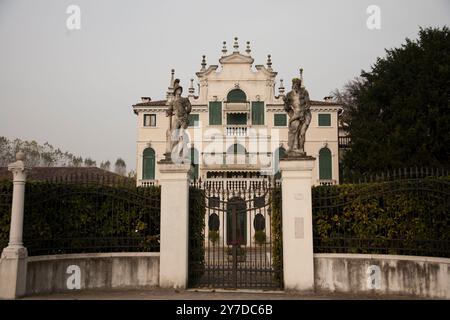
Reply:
x=174, y=181
x=13, y=261
x=298, y=262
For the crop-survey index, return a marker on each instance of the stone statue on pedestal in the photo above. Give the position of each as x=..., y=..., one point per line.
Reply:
x=178, y=112
x=297, y=105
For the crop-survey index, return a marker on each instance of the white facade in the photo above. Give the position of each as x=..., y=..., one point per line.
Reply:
x=260, y=135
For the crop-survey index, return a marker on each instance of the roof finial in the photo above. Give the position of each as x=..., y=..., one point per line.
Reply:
x=281, y=88
x=191, y=88
x=171, y=84
x=203, y=63
x=236, y=45
x=224, y=48
x=269, y=62
x=301, y=77
x=248, y=48
x=172, y=74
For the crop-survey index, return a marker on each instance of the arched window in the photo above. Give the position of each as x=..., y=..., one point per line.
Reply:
x=325, y=164
x=193, y=156
x=236, y=95
x=236, y=149
x=279, y=154
x=148, y=164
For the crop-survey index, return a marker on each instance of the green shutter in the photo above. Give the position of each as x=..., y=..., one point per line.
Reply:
x=257, y=113
x=325, y=164
x=215, y=113
x=236, y=95
x=193, y=120
x=237, y=118
x=194, y=163
x=324, y=119
x=279, y=120
x=148, y=165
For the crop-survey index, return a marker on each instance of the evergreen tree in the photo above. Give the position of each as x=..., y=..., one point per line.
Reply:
x=400, y=114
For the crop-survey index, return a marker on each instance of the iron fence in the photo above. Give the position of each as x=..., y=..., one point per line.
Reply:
x=350, y=176
x=81, y=216
x=407, y=216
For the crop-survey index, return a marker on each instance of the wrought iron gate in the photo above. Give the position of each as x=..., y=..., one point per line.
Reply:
x=238, y=246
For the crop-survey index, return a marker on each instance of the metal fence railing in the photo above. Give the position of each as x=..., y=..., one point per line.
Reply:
x=405, y=216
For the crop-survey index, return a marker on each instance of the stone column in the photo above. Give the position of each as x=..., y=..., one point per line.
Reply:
x=174, y=181
x=13, y=262
x=298, y=262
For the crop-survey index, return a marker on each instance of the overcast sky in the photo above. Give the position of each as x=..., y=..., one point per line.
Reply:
x=75, y=88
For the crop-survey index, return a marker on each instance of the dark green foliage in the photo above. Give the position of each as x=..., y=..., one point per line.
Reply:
x=260, y=236
x=277, y=235
x=401, y=109
x=196, y=233
x=213, y=236
x=395, y=217
x=78, y=218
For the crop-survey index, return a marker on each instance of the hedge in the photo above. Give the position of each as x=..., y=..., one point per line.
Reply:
x=396, y=217
x=79, y=218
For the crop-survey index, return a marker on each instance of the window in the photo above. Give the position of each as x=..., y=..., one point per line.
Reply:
x=257, y=113
x=194, y=163
x=237, y=118
x=148, y=164
x=215, y=113
x=236, y=95
x=149, y=120
x=280, y=120
x=280, y=153
x=324, y=120
x=325, y=164
x=236, y=149
x=193, y=120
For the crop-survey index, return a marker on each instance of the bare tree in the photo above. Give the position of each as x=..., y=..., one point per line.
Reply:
x=105, y=165
x=88, y=162
x=347, y=98
x=120, y=167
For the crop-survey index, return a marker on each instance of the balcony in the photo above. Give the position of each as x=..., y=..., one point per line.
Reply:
x=236, y=161
x=147, y=183
x=236, y=183
x=344, y=142
x=235, y=130
x=327, y=182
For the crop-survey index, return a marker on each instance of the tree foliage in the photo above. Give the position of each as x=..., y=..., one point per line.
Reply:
x=120, y=167
x=399, y=111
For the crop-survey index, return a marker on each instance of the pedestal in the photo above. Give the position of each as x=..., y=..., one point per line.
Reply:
x=13, y=271
x=174, y=181
x=298, y=261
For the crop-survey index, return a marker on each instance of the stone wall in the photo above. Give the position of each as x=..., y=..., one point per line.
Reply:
x=383, y=274
x=57, y=273
x=425, y=277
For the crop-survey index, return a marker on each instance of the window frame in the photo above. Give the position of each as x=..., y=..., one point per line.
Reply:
x=285, y=118
x=217, y=103
x=318, y=120
x=192, y=125
x=150, y=116
x=253, y=112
